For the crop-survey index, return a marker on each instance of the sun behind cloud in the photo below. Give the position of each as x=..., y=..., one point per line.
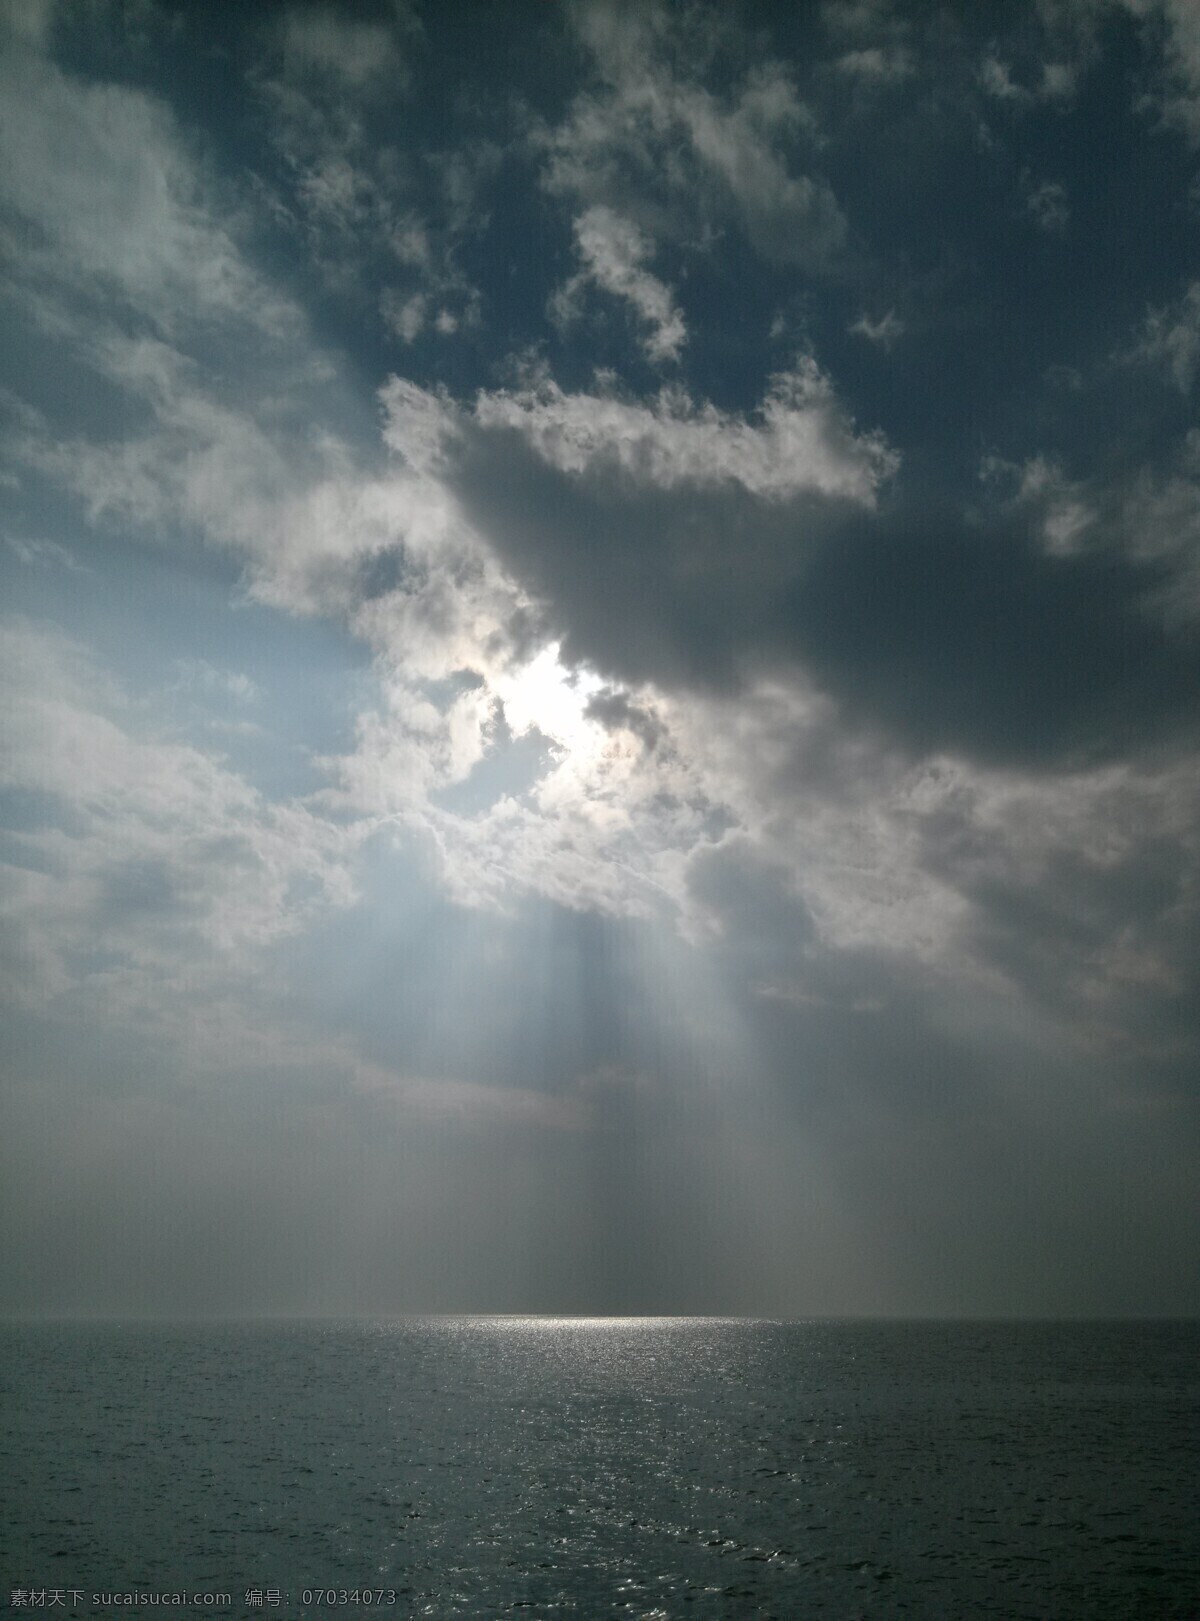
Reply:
x=546, y=695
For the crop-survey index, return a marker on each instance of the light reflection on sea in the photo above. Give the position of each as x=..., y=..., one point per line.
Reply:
x=599, y=1466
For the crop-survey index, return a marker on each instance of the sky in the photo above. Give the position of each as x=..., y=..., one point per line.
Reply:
x=600, y=654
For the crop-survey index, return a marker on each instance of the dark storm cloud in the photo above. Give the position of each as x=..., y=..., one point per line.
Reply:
x=967, y=638
x=614, y=710
x=673, y=586
x=941, y=631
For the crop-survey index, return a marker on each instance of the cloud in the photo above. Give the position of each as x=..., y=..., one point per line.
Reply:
x=1176, y=96
x=884, y=332
x=406, y=317
x=973, y=640
x=359, y=56
x=30, y=24
x=1145, y=518
x=43, y=554
x=1047, y=203
x=791, y=809
x=601, y=525
x=1181, y=98
x=1057, y=82
x=1159, y=521
x=348, y=190
x=111, y=200
x=658, y=148
x=859, y=18
x=213, y=450
x=876, y=64
x=200, y=676
x=1083, y=893
x=150, y=867
x=802, y=441
x=879, y=887
x=1171, y=338
x=616, y=711
x=997, y=80
x=400, y=555
x=619, y=518
x=614, y=252
x=1044, y=490
x=619, y=515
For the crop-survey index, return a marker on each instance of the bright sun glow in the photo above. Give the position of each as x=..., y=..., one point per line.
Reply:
x=554, y=699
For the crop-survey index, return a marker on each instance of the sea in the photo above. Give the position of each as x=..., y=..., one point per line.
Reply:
x=655, y=1467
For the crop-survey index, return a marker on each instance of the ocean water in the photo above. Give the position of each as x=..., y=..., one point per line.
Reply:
x=607, y=1467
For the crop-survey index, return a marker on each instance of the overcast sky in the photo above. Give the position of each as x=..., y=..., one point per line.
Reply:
x=601, y=657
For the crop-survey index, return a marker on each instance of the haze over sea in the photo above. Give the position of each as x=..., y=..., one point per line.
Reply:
x=607, y=1466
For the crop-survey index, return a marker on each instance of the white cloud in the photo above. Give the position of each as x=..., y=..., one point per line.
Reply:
x=1039, y=486
x=801, y=440
x=406, y=316
x=658, y=148
x=1065, y=514
x=410, y=748
x=111, y=200
x=158, y=868
x=146, y=905
x=249, y=472
x=614, y=252
x=609, y=816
